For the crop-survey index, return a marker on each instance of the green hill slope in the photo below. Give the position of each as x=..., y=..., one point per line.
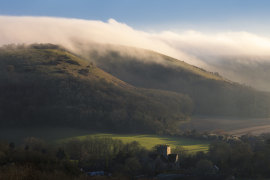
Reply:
x=212, y=94
x=44, y=85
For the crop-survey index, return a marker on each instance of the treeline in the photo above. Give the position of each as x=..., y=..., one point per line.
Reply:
x=247, y=158
x=74, y=159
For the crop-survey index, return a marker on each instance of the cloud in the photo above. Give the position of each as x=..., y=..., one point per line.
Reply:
x=225, y=43
x=221, y=52
x=66, y=31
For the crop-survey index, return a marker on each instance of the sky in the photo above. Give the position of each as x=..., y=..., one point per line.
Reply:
x=154, y=15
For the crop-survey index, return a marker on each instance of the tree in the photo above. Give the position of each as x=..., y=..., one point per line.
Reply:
x=204, y=167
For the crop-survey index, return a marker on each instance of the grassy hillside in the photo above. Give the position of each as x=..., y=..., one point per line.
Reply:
x=44, y=85
x=212, y=94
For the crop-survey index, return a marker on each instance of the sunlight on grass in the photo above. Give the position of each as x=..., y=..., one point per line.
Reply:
x=149, y=141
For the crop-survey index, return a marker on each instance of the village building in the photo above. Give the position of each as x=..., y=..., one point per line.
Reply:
x=165, y=152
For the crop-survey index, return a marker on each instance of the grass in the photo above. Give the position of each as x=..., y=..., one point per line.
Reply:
x=149, y=141
x=63, y=134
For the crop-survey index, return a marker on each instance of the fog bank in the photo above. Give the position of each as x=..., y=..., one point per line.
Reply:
x=239, y=56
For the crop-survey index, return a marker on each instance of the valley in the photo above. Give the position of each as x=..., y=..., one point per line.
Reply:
x=232, y=126
x=112, y=112
x=134, y=90
x=118, y=92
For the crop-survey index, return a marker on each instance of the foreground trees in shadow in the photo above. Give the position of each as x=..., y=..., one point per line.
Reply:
x=248, y=158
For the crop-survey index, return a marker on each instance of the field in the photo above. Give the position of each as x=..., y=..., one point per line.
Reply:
x=233, y=126
x=149, y=141
x=62, y=134
x=229, y=125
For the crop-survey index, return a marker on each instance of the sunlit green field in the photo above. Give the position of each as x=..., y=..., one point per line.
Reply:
x=149, y=141
x=63, y=134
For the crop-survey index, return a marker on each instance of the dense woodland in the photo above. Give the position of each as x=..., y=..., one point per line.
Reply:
x=212, y=95
x=45, y=85
x=245, y=158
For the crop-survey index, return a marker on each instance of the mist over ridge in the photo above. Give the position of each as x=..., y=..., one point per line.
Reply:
x=239, y=56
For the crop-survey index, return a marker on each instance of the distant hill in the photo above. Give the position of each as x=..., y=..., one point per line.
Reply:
x=45, y=85
x=212, y=94
x=252, y=70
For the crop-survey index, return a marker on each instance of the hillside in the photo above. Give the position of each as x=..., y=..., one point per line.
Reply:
x=212, y=94
x=45, y=85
